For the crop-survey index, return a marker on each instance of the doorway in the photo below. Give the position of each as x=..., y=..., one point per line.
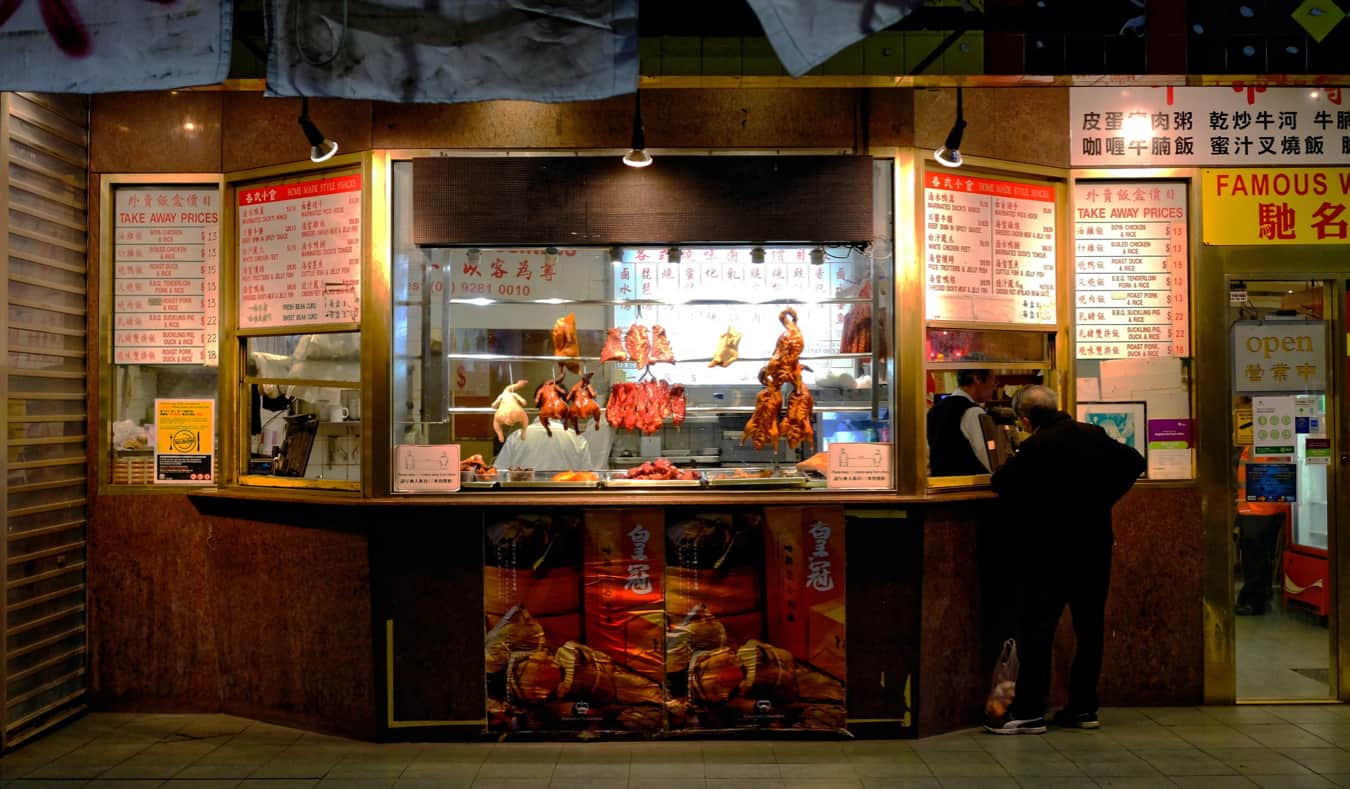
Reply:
x=1283, y=450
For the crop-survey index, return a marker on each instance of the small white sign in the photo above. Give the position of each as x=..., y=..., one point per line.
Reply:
x=426, y=468
x=859, y=465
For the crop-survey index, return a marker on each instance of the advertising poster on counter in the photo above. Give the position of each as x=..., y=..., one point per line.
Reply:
x=185, y=437
x=575, y=622
x=755, y=603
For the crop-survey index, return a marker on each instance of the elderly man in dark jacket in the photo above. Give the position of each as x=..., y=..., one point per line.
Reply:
x=1060, y=488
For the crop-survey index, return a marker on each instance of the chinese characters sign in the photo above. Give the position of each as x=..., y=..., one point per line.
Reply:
x=166, y=275
x=1276, y=206
x=1130, y=294
x=1181, y=126
x=1279, y=356
x=300, y=253
x=989, y=250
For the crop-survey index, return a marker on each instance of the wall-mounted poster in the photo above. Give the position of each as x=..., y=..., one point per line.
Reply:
x=1125, y=422
x=300, y=253
x=1272, y=482
x=185, y=440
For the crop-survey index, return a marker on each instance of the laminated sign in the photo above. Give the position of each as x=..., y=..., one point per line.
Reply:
x=1279, y=356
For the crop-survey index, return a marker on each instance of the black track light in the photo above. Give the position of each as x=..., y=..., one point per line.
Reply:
x=638, y=156
x=321, y=148
x=950, y=152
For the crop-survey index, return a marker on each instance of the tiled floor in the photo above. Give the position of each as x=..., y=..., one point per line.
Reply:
x=1271, y=650
x=1209, y=747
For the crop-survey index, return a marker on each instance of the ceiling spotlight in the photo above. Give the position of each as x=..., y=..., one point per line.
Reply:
x=949, y=154
x=673, y=254
x=321, y=149
x=616, y=255
x=474, y=255
x=757, y=255
x=638, y=156
x=818, y=256
x=551, y=256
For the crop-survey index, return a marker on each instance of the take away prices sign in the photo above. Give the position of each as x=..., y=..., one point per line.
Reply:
x=1279, y=356
x=185, y=438
x=1283, y=205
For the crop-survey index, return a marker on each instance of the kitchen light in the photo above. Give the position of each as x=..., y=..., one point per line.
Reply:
x=321, y=149
x=949, y=154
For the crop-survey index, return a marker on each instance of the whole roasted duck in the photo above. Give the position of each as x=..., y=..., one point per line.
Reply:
x=510, y=410
x=581, y=404
x=551, y=398
x=796, y=427
x=565, y=340
x=762, y=427
x=783, y=366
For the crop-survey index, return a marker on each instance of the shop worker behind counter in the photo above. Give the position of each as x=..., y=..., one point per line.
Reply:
x=1058, y=491
x=956, y=443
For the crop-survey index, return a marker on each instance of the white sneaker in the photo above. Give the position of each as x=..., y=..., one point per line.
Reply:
x=1008, y=725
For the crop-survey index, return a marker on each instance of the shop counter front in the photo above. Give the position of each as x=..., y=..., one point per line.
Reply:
x=646, y=616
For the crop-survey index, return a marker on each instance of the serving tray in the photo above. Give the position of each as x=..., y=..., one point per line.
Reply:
x=653, y=483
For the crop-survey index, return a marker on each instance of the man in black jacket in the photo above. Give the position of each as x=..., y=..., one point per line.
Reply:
x=956, y=445
x=1060, y=488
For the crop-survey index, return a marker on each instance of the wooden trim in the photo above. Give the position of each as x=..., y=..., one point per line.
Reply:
x=78, y=545
x=58, y=572
x=38, y=713
x=48, y=619
x=49, y=463
x=48, y=663
x=51, y=723
x=30, y=487
x=47, y=441
x=55, y=638
x=45, y=598
x=55, y=375
x=46, y=686
x=54, y=506
x=34, y=350
x=46, y=396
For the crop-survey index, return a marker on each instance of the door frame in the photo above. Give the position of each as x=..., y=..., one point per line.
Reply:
x=1215, y=268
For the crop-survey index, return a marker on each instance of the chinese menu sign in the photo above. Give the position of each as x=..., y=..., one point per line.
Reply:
x=1240, y=125
x=1279, y=356
x=300, y=253
x=166, y=275
x=1130, y=284
x=1276, y=206
x=989, y=250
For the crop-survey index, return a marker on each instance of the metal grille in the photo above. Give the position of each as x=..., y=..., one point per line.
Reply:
x=44, y=144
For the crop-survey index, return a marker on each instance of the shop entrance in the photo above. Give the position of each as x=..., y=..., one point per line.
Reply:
x=1284, y=455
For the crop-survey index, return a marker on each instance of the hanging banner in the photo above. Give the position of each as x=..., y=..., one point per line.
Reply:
x=1176, y=126
x=1279, y=356
x=409, y=52
x=96, y=46
x=1276, y=206
x=806, y=33
x=185, y=438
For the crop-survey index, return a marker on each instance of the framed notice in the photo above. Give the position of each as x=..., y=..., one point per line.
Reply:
x=185, y=438
x=426, y=468
x=300, y=253
x=1131, y=273
x=858, y=465
x=1125, y=422
x=166, y=274
x=989, y=250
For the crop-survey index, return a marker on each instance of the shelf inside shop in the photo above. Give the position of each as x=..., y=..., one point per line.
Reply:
x=486, y=301
x=513, y=357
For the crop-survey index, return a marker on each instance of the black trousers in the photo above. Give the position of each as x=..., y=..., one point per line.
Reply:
x=1257, y=537
x=1081, y=584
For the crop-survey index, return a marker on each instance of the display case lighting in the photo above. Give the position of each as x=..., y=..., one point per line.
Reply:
x=818, y=256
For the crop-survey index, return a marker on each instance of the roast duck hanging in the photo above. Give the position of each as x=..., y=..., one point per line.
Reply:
x=764, y=426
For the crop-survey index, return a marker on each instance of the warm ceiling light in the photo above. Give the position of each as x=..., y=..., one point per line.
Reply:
x=321, y=149
x=1137, y=127
x=638, y=156
x=616, y=255
x=474, y=255
x=673, y=254
x=950, y=152
x=757, y=255
x=818, y=256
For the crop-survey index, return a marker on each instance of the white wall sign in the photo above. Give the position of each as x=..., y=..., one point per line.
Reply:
x=858, y=465
x=166, y=278
x=1279, y=356
x=300, y=253
x=1130, y=270
x=426, y=468
x=1227, y=125
x=989, y=250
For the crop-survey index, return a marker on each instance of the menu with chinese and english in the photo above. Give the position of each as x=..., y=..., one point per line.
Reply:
x=989, y=250
x=165, y=280
x=1130, y=285
x=300, y=253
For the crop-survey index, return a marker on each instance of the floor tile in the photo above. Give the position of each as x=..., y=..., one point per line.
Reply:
x=901, y=783
x=1292, y=781
x=1133, y=781
x=1214, y=782
x=756, y=771
x=1214, y=736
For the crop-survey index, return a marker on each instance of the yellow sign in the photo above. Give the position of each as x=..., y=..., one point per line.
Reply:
x=1278, y=205
x=185, y=437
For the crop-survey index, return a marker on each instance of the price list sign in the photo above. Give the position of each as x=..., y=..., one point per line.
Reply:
x=165, y=275
x=989, y=250
x=300, y=253
x=1130, y=273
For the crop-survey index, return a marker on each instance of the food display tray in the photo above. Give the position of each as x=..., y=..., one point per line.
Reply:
x=653, y=483
x=756, y=482
x=477, y=484
x=549, y=483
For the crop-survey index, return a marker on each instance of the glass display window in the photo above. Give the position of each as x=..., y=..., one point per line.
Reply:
x=695, y=365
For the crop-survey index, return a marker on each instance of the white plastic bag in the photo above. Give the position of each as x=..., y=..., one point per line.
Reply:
x=1003, y=688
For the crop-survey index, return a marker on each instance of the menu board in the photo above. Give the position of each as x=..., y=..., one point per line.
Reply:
x=300, y=253
x=166, y=275
x=989, y=250
x=1131, y=271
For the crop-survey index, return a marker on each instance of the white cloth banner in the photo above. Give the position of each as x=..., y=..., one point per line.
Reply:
x=98, y=46
x=412, y=51
x=806, y=33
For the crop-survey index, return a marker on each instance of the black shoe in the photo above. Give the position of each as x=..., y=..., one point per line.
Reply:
x=1249, y=610
x=1008, y=725
x=1068, y=719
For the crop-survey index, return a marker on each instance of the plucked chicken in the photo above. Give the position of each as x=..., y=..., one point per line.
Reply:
x=510, y=410
x=728, y=348
x=565, y=340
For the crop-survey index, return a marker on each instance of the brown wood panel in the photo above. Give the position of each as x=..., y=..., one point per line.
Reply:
x=168, y=131
x=680, y=200
x=194, y=611
x=885, y=566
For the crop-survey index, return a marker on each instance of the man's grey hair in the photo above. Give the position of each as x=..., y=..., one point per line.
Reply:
x=1036, y=403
